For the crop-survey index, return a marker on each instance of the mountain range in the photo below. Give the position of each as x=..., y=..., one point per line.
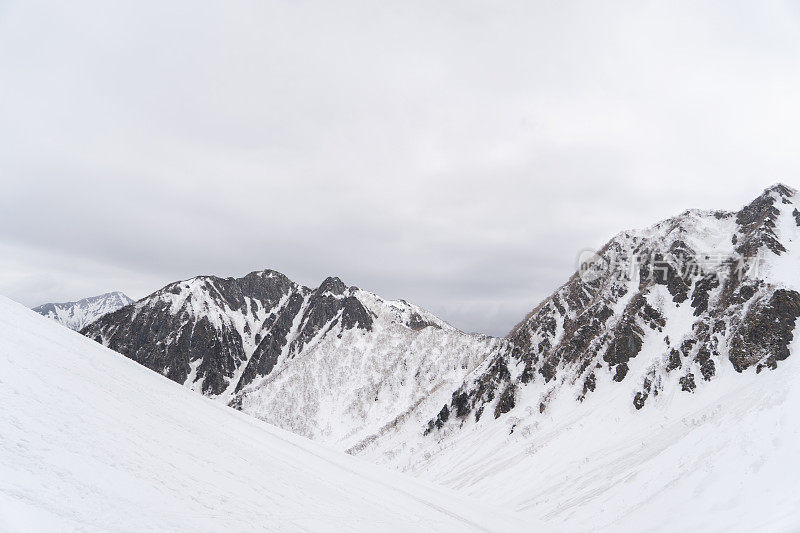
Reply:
x=79, y=314
x=335, y=363
x=628, y=384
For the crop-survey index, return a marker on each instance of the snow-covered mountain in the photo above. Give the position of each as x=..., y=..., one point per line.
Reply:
x=77, y=315
x=92, y=441
x=694, y=295
x=655, y=390
x=335, y=363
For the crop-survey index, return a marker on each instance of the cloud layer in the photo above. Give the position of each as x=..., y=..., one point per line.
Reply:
x=455, y=154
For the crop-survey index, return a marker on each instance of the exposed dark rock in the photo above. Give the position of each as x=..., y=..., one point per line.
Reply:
x=416, y=322
x=652, y=317
x=528, y=374
x=460, y=403
x=700, y=293
x=589, y=383
x=746, y=292
x=666, y=273
x=766, y=330
x=626, y=340
x=332, y=285
x=674, y=360
x=439, y=421
x=757, y=223
x=707, y=367
x=444, y=415
x=639, y=399
x=580, y=333
x=506, y=400
x=687, y=346
x=167, y=343
x=324, y=306
x=548, y=370
x=266, y=354
x=687, y=383
x=678, y=288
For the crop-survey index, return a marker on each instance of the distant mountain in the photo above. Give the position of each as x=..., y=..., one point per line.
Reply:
x=335, y=363
x=77, y=315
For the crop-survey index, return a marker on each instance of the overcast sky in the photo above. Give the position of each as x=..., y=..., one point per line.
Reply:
x=455, y=154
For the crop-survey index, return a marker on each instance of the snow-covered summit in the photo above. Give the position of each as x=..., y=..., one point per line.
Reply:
x=79, y=314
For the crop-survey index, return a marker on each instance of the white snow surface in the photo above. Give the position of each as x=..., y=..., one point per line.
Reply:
x=92, y=441
x=77, y=315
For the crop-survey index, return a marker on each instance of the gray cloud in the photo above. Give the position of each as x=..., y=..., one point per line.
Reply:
x=455, y=154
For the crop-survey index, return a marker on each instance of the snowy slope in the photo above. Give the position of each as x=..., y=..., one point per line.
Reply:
x=77, y=315
x=92, y=441
x=726, y=458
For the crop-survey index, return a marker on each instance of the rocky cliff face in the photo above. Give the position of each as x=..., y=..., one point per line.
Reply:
x=654, y=311
x=77, y=315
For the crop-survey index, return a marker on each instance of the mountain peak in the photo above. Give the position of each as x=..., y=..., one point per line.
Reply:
x=333, y=285
x=782, y=190
x=267, y=273
x=757, y=221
